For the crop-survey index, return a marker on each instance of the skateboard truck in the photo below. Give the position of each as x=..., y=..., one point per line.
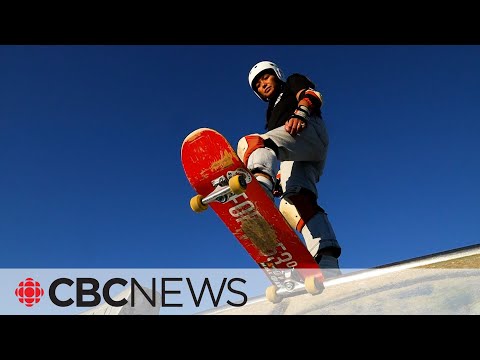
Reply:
x=292, y=280
x=292, y=284
x=288, y=280
x=224, y=189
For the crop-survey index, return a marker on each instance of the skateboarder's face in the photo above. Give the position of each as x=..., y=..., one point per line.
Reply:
x=266, y=85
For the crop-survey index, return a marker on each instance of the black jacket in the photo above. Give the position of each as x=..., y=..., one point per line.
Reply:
x=279, y=113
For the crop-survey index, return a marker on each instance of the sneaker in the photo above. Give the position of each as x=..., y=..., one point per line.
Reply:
x=329, y=266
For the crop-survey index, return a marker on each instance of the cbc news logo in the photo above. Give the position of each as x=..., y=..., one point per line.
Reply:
x=29, y=292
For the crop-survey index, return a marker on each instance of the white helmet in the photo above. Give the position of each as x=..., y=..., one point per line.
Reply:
x=258, y=68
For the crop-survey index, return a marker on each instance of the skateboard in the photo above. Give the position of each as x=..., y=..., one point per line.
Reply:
x=224, y=184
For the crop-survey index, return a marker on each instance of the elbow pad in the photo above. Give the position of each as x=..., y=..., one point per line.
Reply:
x=314, y=98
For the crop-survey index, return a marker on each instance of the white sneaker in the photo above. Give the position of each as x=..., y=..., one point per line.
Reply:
x=329, y=266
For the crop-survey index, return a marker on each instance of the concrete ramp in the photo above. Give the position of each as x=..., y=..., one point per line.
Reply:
x=443, y=283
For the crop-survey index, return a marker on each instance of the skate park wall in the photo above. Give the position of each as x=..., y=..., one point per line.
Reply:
x=446, y=283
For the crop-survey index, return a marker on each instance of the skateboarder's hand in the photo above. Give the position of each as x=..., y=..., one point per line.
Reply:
x=297, y=121
x=294, y=126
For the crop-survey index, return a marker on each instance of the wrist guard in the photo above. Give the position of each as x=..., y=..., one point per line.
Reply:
x=301, y=112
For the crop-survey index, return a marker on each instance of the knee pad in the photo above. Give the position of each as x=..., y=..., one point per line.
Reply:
x=247, y=145
x=256, y=157
x=299, y=208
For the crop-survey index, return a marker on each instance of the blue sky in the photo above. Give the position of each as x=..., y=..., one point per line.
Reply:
x=90, y=137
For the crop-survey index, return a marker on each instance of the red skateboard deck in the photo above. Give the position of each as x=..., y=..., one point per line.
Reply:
x=223, y=183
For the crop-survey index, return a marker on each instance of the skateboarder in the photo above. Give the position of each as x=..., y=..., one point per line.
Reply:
x=297, y=137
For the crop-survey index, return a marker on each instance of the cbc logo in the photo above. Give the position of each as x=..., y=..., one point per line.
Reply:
x=29, y=292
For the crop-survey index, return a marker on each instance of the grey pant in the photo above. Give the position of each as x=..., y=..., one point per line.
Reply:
x=302, y=160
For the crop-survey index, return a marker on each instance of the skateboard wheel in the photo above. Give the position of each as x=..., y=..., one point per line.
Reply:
x=237, y=184
x=271, y=294
x=313, y=285
x=197, y=205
